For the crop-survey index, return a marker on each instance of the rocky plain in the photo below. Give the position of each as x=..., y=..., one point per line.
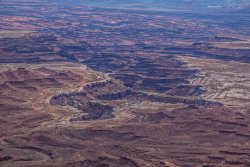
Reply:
x=91, y=87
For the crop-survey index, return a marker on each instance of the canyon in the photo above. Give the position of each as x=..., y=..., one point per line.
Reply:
x=82, y=85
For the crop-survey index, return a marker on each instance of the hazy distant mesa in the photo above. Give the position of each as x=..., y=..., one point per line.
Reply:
x=166, y=5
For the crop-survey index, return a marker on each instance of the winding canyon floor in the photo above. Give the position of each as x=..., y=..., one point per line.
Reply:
x=92, y=87
x=43, y=123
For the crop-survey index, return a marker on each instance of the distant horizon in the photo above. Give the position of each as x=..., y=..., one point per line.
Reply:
x=220, y=6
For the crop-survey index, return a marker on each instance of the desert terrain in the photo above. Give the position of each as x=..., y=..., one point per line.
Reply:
x=90, y=86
